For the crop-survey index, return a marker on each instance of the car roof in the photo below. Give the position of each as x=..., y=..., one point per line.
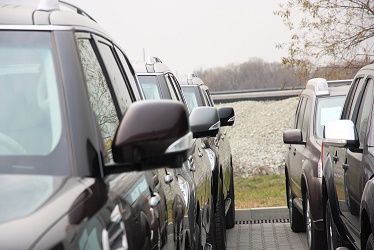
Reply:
x=36, y=14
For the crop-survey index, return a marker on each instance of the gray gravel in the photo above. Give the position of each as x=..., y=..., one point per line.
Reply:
x=257, y=136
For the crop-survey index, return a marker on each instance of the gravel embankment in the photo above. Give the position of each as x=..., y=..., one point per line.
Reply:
x=257, y=136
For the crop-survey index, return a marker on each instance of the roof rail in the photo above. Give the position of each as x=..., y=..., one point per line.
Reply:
x=74, y=8
x=153, y=60
x=318, y=85
x=191, y=75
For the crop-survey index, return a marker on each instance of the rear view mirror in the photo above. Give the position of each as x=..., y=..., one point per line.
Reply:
x=152, y=134
x=341, y=133
x=226, y=116
x=204, y=122
x=293, y=136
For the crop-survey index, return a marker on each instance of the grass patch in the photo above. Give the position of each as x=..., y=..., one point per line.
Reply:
x=260, y=191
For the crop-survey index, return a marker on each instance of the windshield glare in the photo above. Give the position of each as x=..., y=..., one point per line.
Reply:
x=328, y=109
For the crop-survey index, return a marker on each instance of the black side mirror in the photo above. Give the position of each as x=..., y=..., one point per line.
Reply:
x=226, y=116
x=152, y=134
x=204, y=122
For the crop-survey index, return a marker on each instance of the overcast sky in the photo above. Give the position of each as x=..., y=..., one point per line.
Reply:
x=193, y=34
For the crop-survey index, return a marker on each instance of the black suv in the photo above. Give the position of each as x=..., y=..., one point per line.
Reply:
x=158, y=82
x=197, y=95
x=321, y=101
x=348, y=168
x=70, y=128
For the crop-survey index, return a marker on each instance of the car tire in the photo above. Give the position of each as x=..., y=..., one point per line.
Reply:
x=370, y=242
x=220, y=220
x=333, y=239
x=315, y=238
x=230, y=217
x=296, y=218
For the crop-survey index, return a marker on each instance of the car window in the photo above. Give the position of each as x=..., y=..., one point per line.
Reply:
x=210, y=99
x=364, y=112
x=30, y=114
x=300, y=113
x=99, y=95
x=129, y=73
x=306, y=120
x=172, y=89
x=118, y=83
x=328, y=109
x=358, y=84
x=150, y=86
x=193, y=98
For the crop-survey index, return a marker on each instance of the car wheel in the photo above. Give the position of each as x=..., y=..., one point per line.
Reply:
x=333, y=238
x=370, y=242
x=315, y=238
x=230, y=217
x=296, y=218
x=220, y=220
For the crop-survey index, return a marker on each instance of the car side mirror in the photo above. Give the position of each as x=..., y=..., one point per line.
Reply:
x=226, y=116
x=152, y=134
x=293, y=136
x=204, y=122
x=341, y=133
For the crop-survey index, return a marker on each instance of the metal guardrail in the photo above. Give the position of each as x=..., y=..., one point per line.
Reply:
x=241, y=95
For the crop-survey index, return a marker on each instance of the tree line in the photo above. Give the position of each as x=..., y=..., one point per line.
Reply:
x=255, y=73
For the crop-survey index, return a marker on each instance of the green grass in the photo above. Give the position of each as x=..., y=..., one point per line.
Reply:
x=260, y=191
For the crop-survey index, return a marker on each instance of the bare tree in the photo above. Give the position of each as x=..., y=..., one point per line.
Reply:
x=327, y=32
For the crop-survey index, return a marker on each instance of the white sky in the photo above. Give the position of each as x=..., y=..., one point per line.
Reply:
x=193, y=34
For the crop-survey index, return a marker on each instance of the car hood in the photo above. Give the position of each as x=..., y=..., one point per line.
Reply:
x=30, y=205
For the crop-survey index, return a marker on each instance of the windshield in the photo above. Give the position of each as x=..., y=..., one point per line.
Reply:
x=328, y=109
x=30, y=114
x=192, y=97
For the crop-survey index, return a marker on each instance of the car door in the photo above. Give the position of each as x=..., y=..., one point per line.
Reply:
x=297, y=151
x=354, y=170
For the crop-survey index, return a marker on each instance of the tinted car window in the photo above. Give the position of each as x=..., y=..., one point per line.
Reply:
x=129, y=73
x=328, y=109
x=354, y=96
x=119, y=85
x=306, y=119
x=29, y=100
x=99, y=94
x=364, y=112
x=300, y=113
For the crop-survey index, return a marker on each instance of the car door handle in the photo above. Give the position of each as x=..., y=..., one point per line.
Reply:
x=345, y=166
x=294, y=152
x=335, y=158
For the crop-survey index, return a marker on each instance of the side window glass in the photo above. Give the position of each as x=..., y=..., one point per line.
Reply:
x=300, y=113
x=118, y=83
x=130, y=74
x=364, y=112
x=171, y=88
x=210, y=98
x=99, y=95
x=306, y=120
x=354, y=96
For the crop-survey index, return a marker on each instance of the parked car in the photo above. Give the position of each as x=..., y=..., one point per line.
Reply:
x=321, y=101
x=348, y=168
x=69, y=133
x=197, y=95
x=158, y=82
